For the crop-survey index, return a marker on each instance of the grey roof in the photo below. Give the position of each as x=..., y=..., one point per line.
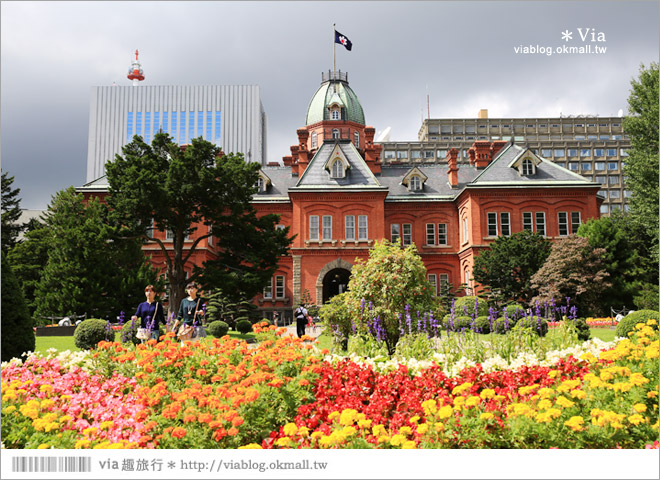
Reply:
x=547, y=173
x=358, y=177
x=100, y=184
x=280, y=182
x=436, y=187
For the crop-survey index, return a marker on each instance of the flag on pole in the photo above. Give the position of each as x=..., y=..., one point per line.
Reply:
x=343, y=40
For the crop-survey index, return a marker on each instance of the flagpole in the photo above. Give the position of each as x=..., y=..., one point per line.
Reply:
x=334, y=61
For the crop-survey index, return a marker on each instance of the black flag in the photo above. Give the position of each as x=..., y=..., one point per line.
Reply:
x=343, y=40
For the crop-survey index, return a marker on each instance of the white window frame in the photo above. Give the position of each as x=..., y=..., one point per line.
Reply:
x=433, y=280
x=430, y=233
x=562, y=223
x=314, y=228
x=334, y=115
x=492, y=223
x=280, y=284
x=527, y=167
x=395, y=237
x=415, y=183
x=209, y=239
x=356, y=137
x=540, y=225
x=575, y=225
x=349, y=227
x=406, y=238
x=505, y=224
x=528, y=221
x=363, y=227
x=466, y=231
x=268, y=290
x=335, y=134
x=327, y=227
x=442, y=234
x=443, y=280
x=169, y=236
x=314, y=140
x=338, y=169
x=261, y=185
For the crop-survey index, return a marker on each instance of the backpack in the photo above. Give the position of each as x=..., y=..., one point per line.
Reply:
x=299, y=314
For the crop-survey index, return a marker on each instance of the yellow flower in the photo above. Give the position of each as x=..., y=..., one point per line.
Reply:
x=553, y=373
x=405, y=430
x=325, y=441
x=568, y=385
x=317, y=434
x=622, y=386
x=290, y=429
x=499, y=398
x=639, y=407
x=423, y=428
x=545, y=404
x=46, y=389
x=378, y=430
x=575, y=423
x=636, y=419
x=43, y=446
x=652, y=322
x=565, y=402
x=486, y=416
x=408, y=445
x=461, y=388
x=333, y=415
x=82, y=443
x=430, y=407
x=8, y=409
x=414, y=419
x=606, y=376
x=283, y=442
x=250, y=446
x=364, y=423
x=303, y=431
x=546, y=392
x=487, y=393
x=579, y=394
x=347, y=417
x=459, y=401
x=651, y=394
x=473, y=401
x=106, y=425
x=439, y=427
x=445, y=412
x=397, y=440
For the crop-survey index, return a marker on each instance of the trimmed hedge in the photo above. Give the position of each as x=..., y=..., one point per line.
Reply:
x=514, y=311
x=218, y=328
x=244, y=326
x=90, y=332
x=468, y=302
x=540, y=327
x=627, y=324
x=483, y=324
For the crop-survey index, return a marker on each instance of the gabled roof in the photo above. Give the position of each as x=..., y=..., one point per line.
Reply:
x=414, y=171
x=337, y=154
x=358, y=177
x=502, y=171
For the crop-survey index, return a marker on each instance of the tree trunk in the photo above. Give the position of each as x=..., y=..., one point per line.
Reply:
x=176, y=275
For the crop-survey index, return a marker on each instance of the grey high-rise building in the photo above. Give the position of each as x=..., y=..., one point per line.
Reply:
x=231, y=116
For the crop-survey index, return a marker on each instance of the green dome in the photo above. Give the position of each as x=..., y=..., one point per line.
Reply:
x=334, y=89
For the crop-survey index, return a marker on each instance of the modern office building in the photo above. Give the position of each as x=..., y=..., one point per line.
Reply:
x=594, y=147
x=231, y=116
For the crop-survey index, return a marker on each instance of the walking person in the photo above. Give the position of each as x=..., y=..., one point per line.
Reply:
x=191, y=314
x=150, y=314
x=301, y=319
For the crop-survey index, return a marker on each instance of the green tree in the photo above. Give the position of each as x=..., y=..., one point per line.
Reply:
x=620, y=259
x=389, y=285
x=89, y=269
x=641, y=165
x=576, y=270
x=179, y=189
x=28, y=259
x=11, y=212
x=17, y=334
x=508, y=265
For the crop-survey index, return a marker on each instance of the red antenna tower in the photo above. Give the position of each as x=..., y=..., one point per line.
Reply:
x=135, y=73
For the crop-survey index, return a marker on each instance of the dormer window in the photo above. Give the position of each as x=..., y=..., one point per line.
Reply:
x=335, y=134
x=526, y=163
x=335, y=114
x=414, y=180
x=338, y=169
x=527, y=167
x=263, y=182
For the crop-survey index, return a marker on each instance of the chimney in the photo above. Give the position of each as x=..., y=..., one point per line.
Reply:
x=371, y=150
x=452, y=171
x=496, y=147
x=483, y=113
x=481, y=153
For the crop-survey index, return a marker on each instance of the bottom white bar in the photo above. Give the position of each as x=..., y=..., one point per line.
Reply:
x=364, y=464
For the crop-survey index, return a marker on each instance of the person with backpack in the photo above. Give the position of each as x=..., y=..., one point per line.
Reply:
x=301, y=319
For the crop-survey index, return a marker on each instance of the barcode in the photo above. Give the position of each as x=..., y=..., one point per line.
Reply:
x=51, y=464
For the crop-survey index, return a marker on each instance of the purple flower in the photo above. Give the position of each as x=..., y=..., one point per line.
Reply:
x=506, y=322
x=573, y=315
x=402, y=332
x=121, y=317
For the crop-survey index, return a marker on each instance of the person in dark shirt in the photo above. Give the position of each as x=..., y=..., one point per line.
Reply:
x=150, y=312
x=191, y=311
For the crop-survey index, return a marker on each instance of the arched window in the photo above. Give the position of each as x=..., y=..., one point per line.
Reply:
x=527, y=167
x=356, y=135
x=335, y=114
x=415, y=183
x=335, y=133
x=314, y=140
x=337, y=169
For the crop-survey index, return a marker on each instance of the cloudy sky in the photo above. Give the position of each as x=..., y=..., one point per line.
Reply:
x=463, y=54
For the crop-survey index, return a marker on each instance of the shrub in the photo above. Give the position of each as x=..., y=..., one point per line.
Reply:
x=627, y=324
x=502, y=325
x=538, y=326
x=17, y=334
x=483, y=324
x=218, y=328
x=244, y=326
x=462, y=322
x=366, y=346
x=91, y=331
x=583, y=332
x=468, y=302
x=514, y=311
x=415, y=345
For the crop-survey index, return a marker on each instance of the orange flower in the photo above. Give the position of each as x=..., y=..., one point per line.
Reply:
x=179, y=432
x=303, y=382
x=237, y=421
x=201, y=372
x=232, y=431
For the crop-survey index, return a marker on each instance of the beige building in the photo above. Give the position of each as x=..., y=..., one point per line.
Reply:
x=594, y=147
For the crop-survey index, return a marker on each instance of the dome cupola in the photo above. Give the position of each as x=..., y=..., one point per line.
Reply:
x=334, y=100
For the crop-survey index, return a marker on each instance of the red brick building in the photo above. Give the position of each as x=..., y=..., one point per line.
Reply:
x=338, y=200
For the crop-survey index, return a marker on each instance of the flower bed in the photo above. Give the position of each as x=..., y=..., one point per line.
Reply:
x=282, y=392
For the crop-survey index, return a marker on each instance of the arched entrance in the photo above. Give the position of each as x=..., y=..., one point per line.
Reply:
x=325, y=287
x=335, y=282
